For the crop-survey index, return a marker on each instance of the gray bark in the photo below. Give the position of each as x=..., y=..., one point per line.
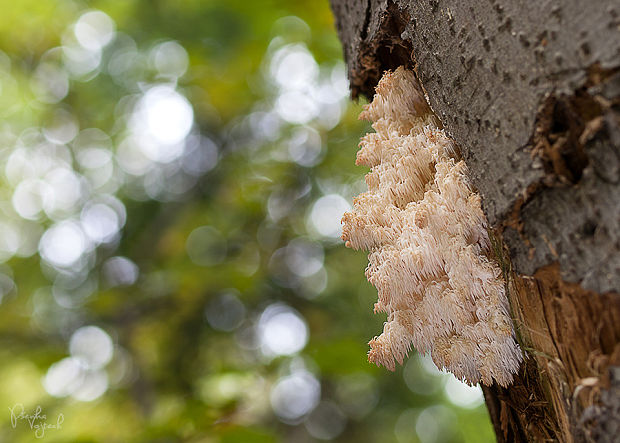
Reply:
x=531, y=93
x=493, y=72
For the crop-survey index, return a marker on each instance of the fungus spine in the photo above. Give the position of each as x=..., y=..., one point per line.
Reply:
x=429, y=249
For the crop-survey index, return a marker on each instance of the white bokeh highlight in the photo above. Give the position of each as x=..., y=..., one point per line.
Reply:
x=63, y=244
x=281, y=331
x=92, y=345
x=164, y=116
x=94, y=30
x=295, y=395
x=326, y=214
x=462, y=395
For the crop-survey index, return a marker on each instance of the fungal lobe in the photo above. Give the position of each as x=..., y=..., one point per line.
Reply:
x=429, y=249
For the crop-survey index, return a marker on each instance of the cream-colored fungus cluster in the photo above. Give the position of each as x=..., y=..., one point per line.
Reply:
x=429, y=247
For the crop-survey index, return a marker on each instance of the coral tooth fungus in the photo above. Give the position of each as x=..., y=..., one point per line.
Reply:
x=429, y=249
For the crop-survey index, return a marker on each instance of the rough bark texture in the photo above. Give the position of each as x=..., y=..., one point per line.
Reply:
x=531, y=93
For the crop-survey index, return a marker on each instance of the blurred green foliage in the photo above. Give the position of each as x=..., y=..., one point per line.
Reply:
x=174, y=176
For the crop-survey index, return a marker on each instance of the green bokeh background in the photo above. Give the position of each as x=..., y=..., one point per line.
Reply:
x=213, y=249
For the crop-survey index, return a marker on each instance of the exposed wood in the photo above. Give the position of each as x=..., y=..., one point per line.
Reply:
x=572, y=338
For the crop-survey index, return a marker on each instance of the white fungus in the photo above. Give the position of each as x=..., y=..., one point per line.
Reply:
x=429, y=249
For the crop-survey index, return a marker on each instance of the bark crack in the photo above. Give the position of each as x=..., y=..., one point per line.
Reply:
x=366, y=23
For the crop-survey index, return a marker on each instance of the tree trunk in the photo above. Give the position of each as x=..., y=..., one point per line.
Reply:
x=531, y=93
